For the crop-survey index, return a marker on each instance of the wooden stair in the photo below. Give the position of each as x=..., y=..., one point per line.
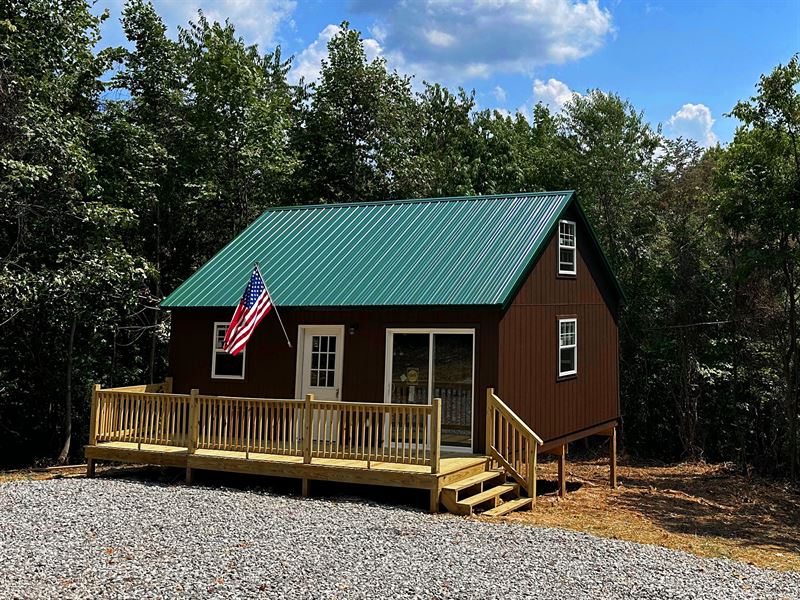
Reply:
x=509, y=506
x=487, y=490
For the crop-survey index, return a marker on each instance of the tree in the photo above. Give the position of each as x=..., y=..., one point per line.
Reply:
x=352, y=135
x=58, y=240
x=760, y=180
x=240, y=110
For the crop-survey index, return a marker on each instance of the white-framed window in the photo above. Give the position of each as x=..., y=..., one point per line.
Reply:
x=566, y=248
x=567, y=347
x=223, y=365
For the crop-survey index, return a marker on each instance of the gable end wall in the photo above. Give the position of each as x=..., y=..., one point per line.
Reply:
x=528, y=344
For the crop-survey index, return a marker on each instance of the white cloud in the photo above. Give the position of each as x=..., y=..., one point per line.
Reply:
x=694, y=121
x=307, y=63
x=439, y=38
x=553, y=93
x=255, y=20
x=461, y=39
x=499, y=94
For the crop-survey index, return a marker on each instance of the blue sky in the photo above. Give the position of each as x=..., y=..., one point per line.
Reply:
x=684, y=63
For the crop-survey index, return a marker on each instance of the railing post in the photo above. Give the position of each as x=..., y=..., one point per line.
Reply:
x=309, y=414
x=194, y=420
x=194, y=424
x=139, y=423
x=436, y=434
x=95, y=414
x=489, y=420
x=247, y=431
x=93, y=424
x=168, y=385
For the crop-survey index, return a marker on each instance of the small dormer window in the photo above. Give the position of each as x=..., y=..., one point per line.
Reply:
x=566, y=248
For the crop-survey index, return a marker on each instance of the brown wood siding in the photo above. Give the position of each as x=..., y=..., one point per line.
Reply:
x=270, y=364
x=528, y=345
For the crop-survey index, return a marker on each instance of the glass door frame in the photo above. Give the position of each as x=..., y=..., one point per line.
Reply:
x=431, y=331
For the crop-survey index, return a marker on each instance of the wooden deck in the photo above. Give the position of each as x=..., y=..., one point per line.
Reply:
x=396, y=445
x=452, y=467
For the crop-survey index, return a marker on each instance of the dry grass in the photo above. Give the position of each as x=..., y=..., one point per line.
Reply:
x=708, y=510
x=64, y=472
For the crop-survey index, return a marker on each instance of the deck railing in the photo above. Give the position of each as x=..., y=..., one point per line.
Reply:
x=138, y=415
x=511, y=443
x=308, y=428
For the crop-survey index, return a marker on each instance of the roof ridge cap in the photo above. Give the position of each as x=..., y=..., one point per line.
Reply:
x=478, y=197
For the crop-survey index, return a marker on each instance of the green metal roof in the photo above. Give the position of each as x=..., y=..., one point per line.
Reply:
x=426, y=252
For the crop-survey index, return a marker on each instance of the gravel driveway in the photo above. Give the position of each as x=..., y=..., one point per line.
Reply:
x=123, y=538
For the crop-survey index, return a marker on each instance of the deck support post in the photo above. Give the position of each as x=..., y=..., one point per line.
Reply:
x=434, y=500
x=612, y=443
x=194, y=424
x=562, y=471
x=307, y=433
x=90, y=468
x=436, y=434
x=304, y=488
x=532, y=457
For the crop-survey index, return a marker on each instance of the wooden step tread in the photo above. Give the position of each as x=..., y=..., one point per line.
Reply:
x=485, y=495
x=470, y=481
x=508, y=506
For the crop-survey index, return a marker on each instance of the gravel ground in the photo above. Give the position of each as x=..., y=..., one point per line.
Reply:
x=115, y=538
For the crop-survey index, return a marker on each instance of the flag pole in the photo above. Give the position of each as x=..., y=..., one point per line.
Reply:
x=273, y=304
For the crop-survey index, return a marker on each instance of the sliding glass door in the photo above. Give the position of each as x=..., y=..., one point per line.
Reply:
x=423, y=364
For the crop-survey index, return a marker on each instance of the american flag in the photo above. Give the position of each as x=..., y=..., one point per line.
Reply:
x=255, y=303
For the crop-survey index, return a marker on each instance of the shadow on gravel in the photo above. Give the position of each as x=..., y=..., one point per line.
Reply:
x=326, y=490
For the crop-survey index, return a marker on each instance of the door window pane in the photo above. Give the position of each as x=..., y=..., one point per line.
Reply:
x=451, y=379
x=452, y=382
x=410, y=368
x=323, y=361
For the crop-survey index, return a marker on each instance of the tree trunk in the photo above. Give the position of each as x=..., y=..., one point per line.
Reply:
x=790, y=364
x=64, y=454
x=153, y=338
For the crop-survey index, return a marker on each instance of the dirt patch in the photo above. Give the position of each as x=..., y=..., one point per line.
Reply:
x=708, y=510
x=67, y=471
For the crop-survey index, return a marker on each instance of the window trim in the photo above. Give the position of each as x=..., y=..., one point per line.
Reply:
x=574, y=249
x=574, y=371
x=214, y=353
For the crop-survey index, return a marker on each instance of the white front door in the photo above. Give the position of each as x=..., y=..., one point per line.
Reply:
x=320, y=353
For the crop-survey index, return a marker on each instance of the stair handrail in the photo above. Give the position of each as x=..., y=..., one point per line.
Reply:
x=512, y=459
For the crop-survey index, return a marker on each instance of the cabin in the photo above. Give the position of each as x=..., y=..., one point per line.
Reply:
x=440, y=343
